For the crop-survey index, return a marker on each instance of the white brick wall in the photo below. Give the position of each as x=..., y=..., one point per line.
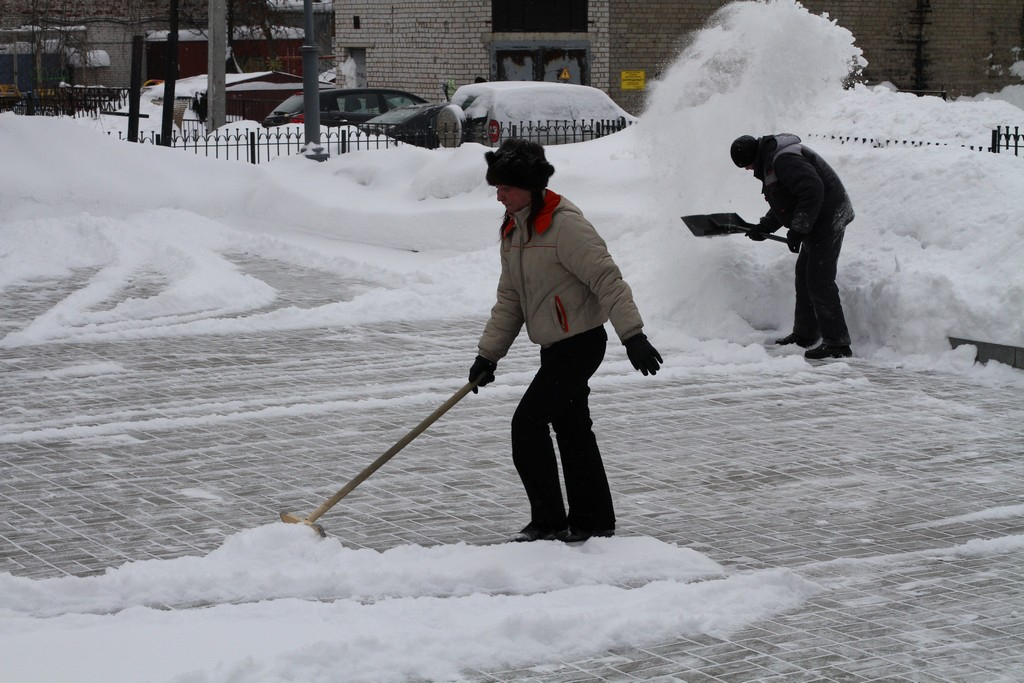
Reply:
x=417, y=44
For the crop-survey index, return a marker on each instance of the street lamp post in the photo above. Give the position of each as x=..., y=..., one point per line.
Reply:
x=311, y=88
x=215, y=67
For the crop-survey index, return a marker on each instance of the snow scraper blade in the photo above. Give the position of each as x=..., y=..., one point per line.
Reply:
x=376, y=464
x=295, y=519
x=715, y=224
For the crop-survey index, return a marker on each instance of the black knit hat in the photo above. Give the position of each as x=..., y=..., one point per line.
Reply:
x=743, y=150
x=519, y=163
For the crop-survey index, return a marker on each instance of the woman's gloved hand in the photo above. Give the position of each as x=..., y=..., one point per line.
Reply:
x=482, y=369
x=642, y=355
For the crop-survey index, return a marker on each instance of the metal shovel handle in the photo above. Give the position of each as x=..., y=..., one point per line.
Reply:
x=746, y=227
x=767, y=235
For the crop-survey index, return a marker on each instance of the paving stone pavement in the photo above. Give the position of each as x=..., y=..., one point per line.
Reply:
x=898, y=491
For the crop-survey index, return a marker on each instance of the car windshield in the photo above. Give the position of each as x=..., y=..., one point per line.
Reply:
x=293, y=105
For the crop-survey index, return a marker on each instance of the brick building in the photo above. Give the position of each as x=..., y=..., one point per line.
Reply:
x=961, y=48
x=619, y=46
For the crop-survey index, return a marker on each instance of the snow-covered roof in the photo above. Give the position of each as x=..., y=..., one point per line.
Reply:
x=264, y=85
x=299, y=6
x=239, y=33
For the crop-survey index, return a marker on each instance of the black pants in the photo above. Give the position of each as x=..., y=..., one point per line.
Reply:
x=558, y=397
x=819, y=312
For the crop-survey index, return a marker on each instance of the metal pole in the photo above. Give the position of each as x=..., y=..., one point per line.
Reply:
x=135, y=89
x=215, y=59
x=170, y=77
x=311, y=88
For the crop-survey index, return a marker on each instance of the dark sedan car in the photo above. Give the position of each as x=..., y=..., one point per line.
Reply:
x=429, y=125
x=342, y=106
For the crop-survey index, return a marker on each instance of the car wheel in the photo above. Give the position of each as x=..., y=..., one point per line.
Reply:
x=449, y=126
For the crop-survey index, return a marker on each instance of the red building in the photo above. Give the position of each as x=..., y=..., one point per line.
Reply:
x=282, y=53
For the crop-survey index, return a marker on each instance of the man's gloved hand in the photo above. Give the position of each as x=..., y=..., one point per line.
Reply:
x=484, y=369
x=642, y=355
x=793, y=240
x=764, y=227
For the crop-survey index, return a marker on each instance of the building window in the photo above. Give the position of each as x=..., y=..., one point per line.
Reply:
x=565, y=63
x=539, y=16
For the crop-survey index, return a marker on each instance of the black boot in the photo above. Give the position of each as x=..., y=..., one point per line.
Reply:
x=535, y=532
x=826, y=351
x=573, y=535
x=794, y=338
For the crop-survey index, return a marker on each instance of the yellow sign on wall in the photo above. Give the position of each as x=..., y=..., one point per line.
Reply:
x=634, y=80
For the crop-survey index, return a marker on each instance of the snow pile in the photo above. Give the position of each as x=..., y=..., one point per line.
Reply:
x=297, y=608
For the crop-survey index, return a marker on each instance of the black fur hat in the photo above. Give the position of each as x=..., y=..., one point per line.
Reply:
x=519, y=163
x=744, y=150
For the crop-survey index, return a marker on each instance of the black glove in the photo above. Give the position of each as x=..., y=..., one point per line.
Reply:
x=642, y=355
x=793, y=239
x=760, y=232
x=484, y=369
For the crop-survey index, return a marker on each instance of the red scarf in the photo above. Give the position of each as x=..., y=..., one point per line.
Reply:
x=543, y=220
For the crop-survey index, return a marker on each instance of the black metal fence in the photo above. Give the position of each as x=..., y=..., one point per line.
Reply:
x=72, y=101
x=1002, y=140
x=254, y=146
x=264, y=145
x=258, y=146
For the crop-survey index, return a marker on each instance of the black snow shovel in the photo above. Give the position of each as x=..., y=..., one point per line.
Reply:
x=715, y=224
x=376, y=464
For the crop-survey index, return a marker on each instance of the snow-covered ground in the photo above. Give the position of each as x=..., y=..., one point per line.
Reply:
x=935, y=252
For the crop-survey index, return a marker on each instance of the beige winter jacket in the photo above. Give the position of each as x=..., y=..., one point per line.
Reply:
x=561, y=282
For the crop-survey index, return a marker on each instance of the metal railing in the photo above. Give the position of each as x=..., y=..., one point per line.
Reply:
x=66, y=101
x=256, y=147
x=264, y=145
x=1003, y=139
x=552, y=132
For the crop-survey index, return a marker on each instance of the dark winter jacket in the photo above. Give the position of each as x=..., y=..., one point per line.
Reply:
x=803, y=192
x=559, y=282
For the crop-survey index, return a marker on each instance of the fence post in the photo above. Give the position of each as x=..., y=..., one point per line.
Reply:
x=253, y=153
x=995, y=140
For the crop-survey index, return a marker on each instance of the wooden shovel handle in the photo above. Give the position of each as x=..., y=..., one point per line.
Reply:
x=389, y=453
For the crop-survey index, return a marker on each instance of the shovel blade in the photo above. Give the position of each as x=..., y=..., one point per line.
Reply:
x=714, y=224
x=295, y=519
